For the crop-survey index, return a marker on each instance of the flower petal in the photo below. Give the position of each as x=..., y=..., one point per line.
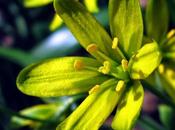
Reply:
x=145, y=61
x=94, y=110
x=36, y=3
x=91, y=5
x=129, y=108
x=126, y=24
x=60, y=76
x=56, y=22
x=156, y=29
x=167, y=79
x=84, y=26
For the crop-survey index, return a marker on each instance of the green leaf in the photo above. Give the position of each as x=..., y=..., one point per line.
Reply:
x=94, y=110
x=147, y=123
x=167, y=116
x=36, y=3
x=145, y=61
x=91, y=5
x=157, y=19
x=17, y=56
x=129, y=108
x=126, y=24
x=84, y=26
x=56, y=22
x=60, y=76
x=43, y=112
x=168, y=81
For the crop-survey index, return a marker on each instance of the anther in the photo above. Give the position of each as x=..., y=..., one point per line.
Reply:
x=78, y=65
x=124, y=63
x=171, y=34
x=161, y=68
x=115, y=43
x=120, y=86
x=94, y=89
x=92, y=48
x=105, y=69
x=107, y=64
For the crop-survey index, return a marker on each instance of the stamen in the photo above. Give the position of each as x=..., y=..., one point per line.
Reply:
x=115, y=43
x=107, y=64
x=92, y=48
x=105, y=58
x=78, y=65
x=161, y=68
x=94, y=89
x=105, y=69
x=124, y=63
x=120, y=86
x=171, y=34
x=101, y=69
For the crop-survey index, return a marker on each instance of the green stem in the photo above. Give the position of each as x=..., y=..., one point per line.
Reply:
x=146, y=121
x=162, y=96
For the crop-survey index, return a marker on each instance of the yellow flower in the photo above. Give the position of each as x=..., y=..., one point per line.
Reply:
x=111, y=77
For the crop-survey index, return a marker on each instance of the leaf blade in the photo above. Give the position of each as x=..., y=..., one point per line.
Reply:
x=43, y=112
